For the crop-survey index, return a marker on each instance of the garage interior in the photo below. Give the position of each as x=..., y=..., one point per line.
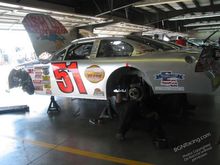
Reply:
x=30, y=135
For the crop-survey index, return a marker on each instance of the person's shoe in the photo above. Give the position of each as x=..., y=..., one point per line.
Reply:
x=120, y=136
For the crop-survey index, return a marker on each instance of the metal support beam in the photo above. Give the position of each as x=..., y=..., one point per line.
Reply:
x=211, y=2
x=196, y=3
x=185, y=22
x=196, y=17
x=169, y=7
x=171, y=14
x=156, y=2
x=182, y=5
x=97, y=6
x=199, y=24
x=156, y=9
x=119, y=8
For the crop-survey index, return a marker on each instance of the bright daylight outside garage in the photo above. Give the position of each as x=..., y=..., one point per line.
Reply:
x=110, y=82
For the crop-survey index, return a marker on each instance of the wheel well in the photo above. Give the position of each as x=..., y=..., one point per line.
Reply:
x=125, y=75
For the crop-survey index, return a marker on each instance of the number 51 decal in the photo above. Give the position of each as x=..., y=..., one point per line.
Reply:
x=61, y=72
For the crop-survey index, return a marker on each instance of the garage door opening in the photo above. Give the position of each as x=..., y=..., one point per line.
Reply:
x=15, y=48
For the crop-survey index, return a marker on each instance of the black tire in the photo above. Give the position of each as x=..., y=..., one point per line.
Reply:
x=135, y=87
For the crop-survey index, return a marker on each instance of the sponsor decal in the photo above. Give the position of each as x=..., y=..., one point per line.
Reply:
x=30, y=70
x=39, y=88
x=42, y=79
x=61, y=72
x=47, y=86
x=38, y=77
x=37, y=81
x=46, y=71
x=46, y=82
x=162, y=88
x=169, y=80
x=98, y=92
x=94, y=74
x=37, y=68
x=48, y=91
x=46, y=78
x=38, y=73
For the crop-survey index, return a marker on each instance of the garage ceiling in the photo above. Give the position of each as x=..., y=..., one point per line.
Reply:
x=11, y=16
x=175, y=15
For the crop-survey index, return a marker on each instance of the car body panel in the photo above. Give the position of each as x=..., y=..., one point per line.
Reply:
x=83, y=68
x=166, y=72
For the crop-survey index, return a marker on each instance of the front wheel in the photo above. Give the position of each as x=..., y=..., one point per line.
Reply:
x=134, y=87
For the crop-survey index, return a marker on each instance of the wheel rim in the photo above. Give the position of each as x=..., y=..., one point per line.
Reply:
x=135, y=93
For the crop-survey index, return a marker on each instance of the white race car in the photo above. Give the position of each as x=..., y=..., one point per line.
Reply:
x=92, y=68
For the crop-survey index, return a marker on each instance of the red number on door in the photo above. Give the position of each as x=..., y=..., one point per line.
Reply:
x=64, y=82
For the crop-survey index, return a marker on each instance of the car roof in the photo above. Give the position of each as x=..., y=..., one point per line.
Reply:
x=96, y=37
x=136, y=38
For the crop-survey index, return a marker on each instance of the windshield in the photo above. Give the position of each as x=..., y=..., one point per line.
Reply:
x=210, y=39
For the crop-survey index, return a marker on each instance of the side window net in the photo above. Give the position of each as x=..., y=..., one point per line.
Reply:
x=59, y=56
x=79, y=51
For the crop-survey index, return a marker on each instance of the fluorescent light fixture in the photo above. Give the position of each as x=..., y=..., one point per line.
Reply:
x=156, y=2
x=166, y=32
x=196, y=16
x=9, y=5
x=109, y=33
x=202, y=24
x=125, y=27
x=208, y=28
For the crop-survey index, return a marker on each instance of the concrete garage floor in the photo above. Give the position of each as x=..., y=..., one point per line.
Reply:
x=37, y=138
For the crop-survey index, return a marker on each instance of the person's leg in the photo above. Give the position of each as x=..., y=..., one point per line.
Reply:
x=158, y=134
x=126, y=117
x=186, y=104
x=108, y=111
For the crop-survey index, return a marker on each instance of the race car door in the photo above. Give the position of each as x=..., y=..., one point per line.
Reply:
x=72, y=68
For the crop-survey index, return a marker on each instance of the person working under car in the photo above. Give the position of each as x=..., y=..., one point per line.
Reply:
x=143, y=112
x=131, y=111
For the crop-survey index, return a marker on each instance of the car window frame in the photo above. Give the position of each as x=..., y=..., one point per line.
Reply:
x=76, y=46
x=114, y=39
x=58, y=54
